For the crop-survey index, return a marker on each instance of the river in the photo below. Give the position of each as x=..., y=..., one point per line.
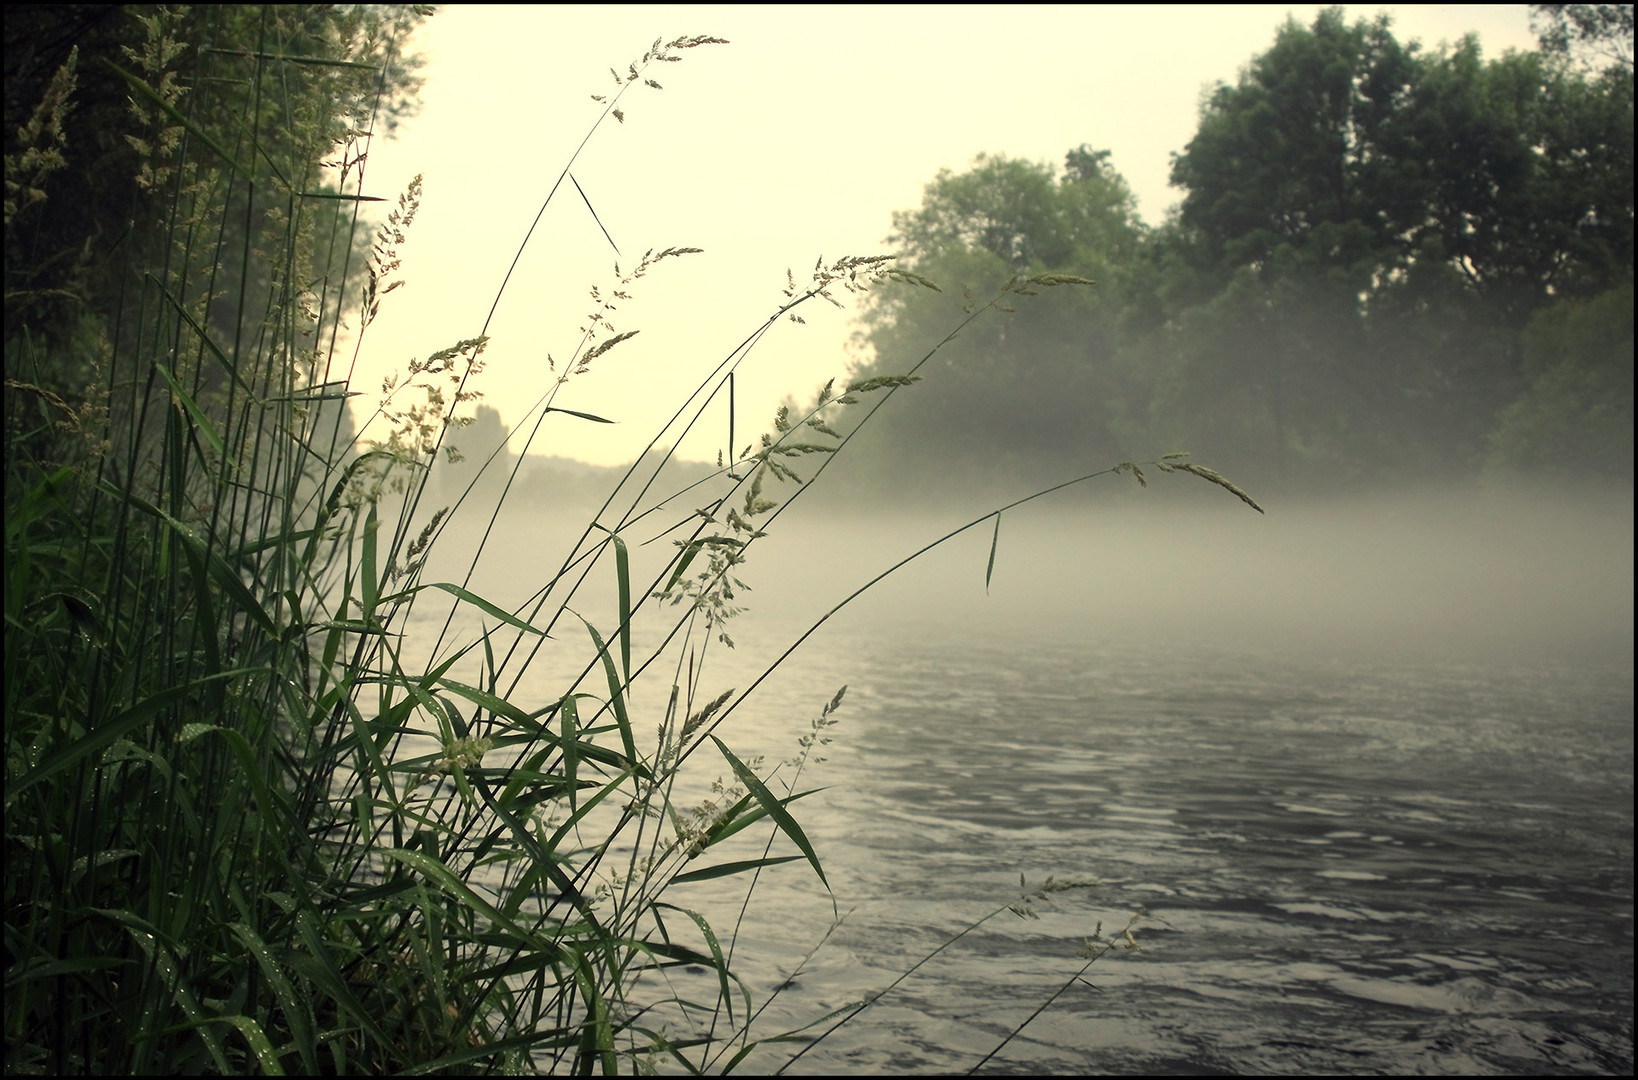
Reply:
x=1359, y=784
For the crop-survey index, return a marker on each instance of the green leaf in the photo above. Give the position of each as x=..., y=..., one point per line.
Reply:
x=622, y=573
x=617, y=700
x=994, y=540
x=733, y=821
x=296, y=1010
x=161, y=952
x=729, y=868
x=574, y=412
x=200, y=421
x=371, y=741
x=226, y=576
x=334, y=390
x=318, y=960
x=443, y=877
x=782, y=818
x=688, y=553
x=39, y=968
x=493, y=703
x=344, y=198
x=347, y=626
x=205, y=339
x=571, y=760
x=109, y=731
x=719, y=962
x=469, y=597
x=574, y=819
x=144, y=90
x=597, y=1032
x=314, y=61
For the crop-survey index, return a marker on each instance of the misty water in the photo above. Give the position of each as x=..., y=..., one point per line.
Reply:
x=1367, y=765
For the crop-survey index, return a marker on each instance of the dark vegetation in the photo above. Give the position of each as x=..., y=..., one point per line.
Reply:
x=1390, y=264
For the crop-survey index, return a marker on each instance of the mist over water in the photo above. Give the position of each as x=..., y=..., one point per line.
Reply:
x=1505, y=574
x=1367, y=761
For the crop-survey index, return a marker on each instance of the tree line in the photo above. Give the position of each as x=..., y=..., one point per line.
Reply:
x=1388, y=263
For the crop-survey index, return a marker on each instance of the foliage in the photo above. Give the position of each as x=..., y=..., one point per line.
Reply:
x=1575, y=418
x=1007, y=396
x=1435, y=203
x=1366, y=231
x=1588, y=31
x=172, y=287
x=249, y=825
x=83, y=236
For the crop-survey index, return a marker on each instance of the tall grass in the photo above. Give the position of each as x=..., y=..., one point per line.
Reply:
x=249, y=826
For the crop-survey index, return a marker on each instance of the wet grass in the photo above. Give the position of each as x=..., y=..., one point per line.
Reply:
x=248, y=826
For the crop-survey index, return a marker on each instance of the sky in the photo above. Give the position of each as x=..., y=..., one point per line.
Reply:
x=795, y=141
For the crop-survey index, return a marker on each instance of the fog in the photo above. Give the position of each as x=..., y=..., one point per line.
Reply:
x=1504, y=573
x=1508, y=575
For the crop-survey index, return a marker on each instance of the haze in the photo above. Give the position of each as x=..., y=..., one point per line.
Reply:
x=795, y=141
x=798, y=140
x=1509, y=576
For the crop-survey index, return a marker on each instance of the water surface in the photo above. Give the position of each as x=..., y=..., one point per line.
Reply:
x=1366, y=773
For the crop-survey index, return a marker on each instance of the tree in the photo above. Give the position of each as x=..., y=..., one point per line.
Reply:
x=1372, y=227
x=1367, y=231
x=82, y=236
x=1575, y=419
x=1586, y=31
x=1002, y=398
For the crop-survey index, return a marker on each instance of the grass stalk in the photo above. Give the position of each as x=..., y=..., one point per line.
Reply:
x=248, y=827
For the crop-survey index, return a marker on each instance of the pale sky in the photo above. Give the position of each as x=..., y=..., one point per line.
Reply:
x=797, y=140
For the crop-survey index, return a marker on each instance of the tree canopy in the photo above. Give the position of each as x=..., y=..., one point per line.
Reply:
x=1377, y=250
x=110, y=112
x=1006, y=393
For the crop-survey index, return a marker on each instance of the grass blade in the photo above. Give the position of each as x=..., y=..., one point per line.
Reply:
x=110, y=731
x=733, y=821
x=729, y=868
x=469, y=597
x=689, y=551
x=571, y=759
x=371, y=580
x=577, y=412
x=995, y=539
x=781, y=816
x=225, y=576
x=617, y=699
x=201, y=422
x=593, y=210
x=440, y=875
x=622, y=573
x=148, y=92
x=719, y=962
x=266, y=1057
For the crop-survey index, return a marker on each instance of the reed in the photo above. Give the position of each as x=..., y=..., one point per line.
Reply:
x=247, y=828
